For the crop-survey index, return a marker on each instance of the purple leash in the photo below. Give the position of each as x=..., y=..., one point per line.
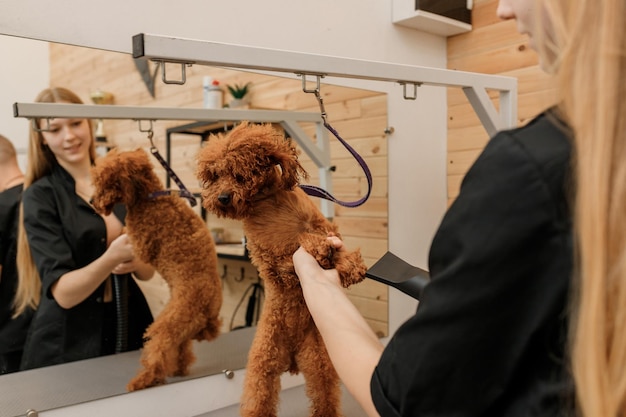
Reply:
x=316, y=191
x=182, y=191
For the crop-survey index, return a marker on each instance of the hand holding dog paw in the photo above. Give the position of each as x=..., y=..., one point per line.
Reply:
x=309, y=270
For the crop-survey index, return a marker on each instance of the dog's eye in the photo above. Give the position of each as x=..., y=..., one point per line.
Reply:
x=240, y=179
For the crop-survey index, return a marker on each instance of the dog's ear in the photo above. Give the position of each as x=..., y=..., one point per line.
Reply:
x=286, y=157
x=140, y=176
x=107, y=191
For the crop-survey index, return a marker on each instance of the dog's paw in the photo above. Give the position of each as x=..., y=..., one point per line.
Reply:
x=349, y=264
x=144, y=380
x=325, y=254
x=351, y=267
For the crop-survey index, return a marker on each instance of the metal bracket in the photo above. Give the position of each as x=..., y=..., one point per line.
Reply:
x=318, y=77
x=36, y=128
x=141, y=129
x=316, y=91
x=183, y=76
x=149, y=131
x=404, y=90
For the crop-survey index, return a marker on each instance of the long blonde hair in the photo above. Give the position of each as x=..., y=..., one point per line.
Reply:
x=40, y=163
x=589, y=40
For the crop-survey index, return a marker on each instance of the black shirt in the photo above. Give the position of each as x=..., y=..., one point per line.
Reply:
x=12, y=331
x=65, y=233
x=489, y=335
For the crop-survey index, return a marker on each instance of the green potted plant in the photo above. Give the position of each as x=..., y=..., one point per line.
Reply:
x=239, y=92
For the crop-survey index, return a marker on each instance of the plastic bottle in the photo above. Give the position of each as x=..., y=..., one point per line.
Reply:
x=213, y=95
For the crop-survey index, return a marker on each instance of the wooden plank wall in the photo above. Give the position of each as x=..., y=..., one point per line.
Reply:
x=359, y=116
x=492, y=47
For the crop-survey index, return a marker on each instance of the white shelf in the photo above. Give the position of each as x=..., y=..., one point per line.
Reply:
x=433, y=23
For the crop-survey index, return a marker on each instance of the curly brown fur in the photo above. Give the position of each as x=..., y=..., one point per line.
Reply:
x=251, y=175
x=167, y=234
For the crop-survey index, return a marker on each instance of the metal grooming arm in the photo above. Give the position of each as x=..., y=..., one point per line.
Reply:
x=164, y=49
x=318, y=151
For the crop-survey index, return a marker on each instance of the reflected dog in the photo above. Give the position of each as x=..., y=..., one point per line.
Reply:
x=167, y=234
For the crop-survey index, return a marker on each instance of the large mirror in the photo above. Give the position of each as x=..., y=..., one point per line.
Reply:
x=359, y=115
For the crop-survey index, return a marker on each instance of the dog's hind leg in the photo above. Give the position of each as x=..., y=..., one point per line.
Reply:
x=161, y=356
x=156, y=362
x=185, y=358
x=322, y=381
x=266, y=363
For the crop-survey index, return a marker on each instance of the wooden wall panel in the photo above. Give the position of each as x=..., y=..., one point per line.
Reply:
x=492, y=47
x=360, y=116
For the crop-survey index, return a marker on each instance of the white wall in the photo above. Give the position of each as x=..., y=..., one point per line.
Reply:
x=24, y=72
x=354, y=28
x=349, y=28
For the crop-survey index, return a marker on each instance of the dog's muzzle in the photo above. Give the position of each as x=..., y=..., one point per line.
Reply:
x=224, y=199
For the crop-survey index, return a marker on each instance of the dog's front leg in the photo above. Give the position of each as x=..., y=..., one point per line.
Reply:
x=349, y=264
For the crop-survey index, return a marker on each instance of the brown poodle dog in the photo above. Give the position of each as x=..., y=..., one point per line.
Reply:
x=251, y=174
x=167, y=234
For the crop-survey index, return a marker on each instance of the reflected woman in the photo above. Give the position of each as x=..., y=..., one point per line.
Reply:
x=68, y=253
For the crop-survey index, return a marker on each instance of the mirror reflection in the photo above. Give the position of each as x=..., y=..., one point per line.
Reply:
x=103, y=77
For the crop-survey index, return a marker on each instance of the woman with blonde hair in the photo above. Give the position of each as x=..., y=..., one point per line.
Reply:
x=67, y=252
x=583, y=43
x=587, y=47
x=489, y=337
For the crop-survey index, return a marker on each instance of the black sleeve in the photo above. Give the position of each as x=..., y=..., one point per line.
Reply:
x=499, y=264
x=4, y=231
x=9, y=201
x=49, y=247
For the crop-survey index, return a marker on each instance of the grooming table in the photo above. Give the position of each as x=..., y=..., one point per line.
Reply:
x=97, y=387
x=295, y=403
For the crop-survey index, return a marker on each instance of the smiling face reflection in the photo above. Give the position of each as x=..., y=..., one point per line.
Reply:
x=68, y=139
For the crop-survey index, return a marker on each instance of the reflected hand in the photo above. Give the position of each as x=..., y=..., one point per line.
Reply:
x=121, y=249
x=125, y=267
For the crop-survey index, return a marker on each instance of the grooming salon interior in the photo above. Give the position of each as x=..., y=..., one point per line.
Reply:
x=415, y=88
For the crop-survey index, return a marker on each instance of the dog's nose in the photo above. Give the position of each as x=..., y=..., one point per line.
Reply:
x=224, y=199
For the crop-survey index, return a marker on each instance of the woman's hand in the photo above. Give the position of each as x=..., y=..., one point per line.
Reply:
x=307, y=268
x=125, y=267
x=123, y=248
